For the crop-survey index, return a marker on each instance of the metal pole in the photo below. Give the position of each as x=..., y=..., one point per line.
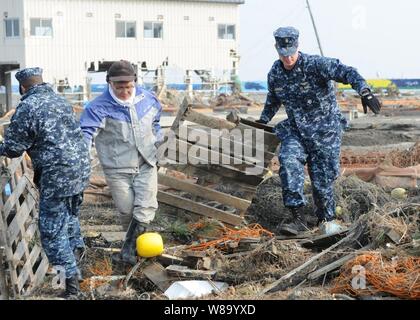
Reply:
x=9, y=95
x=316, y=31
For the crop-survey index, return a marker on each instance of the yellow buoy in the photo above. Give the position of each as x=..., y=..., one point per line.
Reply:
x=149, y=245
x=399, y=194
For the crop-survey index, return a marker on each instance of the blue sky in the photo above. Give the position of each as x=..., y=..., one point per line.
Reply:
x=378, y=37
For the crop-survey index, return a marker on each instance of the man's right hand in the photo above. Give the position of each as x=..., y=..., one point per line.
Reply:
x=369, y=100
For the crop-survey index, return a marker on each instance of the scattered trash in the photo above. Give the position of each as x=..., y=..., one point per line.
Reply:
x=193, y=289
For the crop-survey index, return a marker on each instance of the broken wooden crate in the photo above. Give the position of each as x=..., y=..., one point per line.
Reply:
x=23, y=264
x=224, y=154
x=200, y=208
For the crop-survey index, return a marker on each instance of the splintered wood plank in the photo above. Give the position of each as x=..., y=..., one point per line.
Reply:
x=207, y=121
x=158, y=275
x=198, y=208
x=204, y=192
x=182, y=151
x=14, y=197
x=180, y=115
x=4, y=291
x=185, y=272
x=22, y=215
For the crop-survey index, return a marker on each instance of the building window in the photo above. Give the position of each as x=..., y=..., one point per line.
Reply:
x=41, y=27
x=153, y=30
x=125, y=29
x=226, y=31
x=12, y=28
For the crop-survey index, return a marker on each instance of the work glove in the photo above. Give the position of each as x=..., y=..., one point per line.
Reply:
x=369, y=100
x=261, y=121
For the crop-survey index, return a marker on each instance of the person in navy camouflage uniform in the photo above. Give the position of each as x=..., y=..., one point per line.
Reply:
x=312, y=132
x=44, y=125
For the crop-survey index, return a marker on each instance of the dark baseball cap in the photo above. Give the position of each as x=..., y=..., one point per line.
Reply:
x=121, y=71
x=287, y=40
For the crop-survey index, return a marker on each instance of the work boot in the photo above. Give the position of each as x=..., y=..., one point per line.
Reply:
x=297, y=225
x=72, y=288
x=129, y=251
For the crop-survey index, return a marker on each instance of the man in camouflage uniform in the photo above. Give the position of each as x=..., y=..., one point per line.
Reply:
x=312, y=133
x=44, y=125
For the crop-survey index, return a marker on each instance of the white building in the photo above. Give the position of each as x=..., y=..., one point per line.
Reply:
x=67, y=37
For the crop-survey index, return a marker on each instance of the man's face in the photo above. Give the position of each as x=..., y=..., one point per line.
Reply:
x=123, y=90
x=289, y=61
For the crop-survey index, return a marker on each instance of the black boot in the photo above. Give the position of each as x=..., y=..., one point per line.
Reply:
x=79, y=254
x=297, y=225
x=72, y=288
x=128, y=250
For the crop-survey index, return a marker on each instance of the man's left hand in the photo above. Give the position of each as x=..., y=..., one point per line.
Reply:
x=369, y=100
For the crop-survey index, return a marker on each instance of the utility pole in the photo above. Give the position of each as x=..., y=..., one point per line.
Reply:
x=316, y=31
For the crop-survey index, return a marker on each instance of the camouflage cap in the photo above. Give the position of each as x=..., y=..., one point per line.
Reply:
x=24, y=74
x=287, y=40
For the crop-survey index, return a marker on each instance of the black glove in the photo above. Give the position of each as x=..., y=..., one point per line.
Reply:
x=369, y=100
x=261, y=121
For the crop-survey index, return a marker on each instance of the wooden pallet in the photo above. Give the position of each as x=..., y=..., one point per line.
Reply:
x=227, y=165
x=19, y=236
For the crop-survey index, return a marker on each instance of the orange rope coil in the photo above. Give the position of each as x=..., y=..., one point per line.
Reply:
x=400, y=277
x=232, y=235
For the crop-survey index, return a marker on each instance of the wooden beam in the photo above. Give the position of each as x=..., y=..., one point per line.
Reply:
x=4, y=291
x=220, y=158
x=208, y=121
x=204, y=192
x=158, y=275
x=185, y=272
x=276, y=285
x=216, y=143
x=337, y=264
x=180, y=115
x=198, y=208
x=257, y=125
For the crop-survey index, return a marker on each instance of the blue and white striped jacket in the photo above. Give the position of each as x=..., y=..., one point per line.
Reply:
x=121, y=140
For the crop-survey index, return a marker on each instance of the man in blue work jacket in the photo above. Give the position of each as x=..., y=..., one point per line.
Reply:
x=311, y=134
x=124, y=123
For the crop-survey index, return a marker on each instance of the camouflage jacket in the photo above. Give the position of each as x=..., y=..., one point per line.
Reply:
x=308, y=94
x=44, y=125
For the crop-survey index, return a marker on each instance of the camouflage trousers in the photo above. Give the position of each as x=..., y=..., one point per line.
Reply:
x=323, y=167
x=59, y=227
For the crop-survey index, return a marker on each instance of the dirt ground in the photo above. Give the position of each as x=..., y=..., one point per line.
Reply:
x=99, y=219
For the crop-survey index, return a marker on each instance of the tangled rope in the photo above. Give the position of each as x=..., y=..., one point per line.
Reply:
x=233, y=236
x=399, y=277
x=101, y=268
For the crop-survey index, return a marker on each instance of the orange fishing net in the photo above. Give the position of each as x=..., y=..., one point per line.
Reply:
x=100, y=268
x=399, y=277
x=233, y=236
